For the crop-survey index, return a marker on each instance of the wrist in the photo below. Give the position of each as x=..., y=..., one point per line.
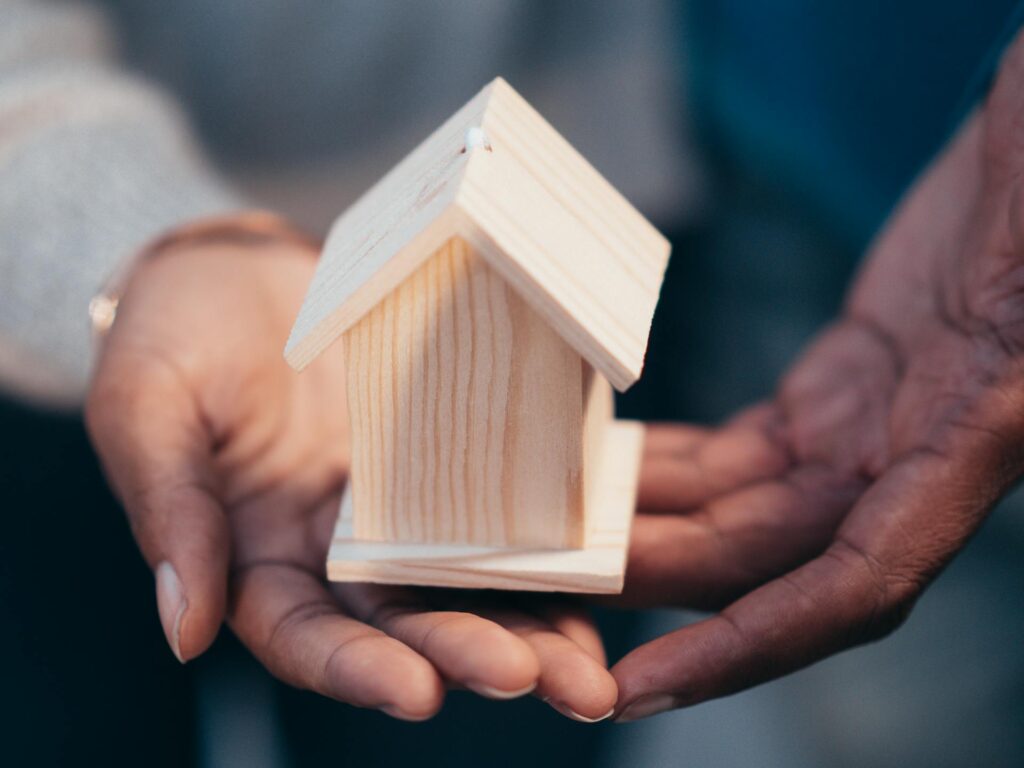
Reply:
x=247, y=229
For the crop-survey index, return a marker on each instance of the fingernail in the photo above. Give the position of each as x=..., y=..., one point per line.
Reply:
x=648, y=705
x=400, y=714
x=171, y=604
x=574, y=715
x=497, y=693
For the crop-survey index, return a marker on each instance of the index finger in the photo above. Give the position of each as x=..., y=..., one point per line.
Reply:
x=860, y=589
x=155, y=450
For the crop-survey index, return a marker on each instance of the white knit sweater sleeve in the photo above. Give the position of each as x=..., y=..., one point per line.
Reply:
x=93, y=162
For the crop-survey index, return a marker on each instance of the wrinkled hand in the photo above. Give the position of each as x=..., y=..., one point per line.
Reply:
x=230, y=467
x=815, y=520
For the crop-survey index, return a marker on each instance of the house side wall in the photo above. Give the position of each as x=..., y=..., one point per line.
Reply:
x=467, y=415
x=598, y=412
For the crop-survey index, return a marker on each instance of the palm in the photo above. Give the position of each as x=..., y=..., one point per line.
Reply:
x=823, y=512
x=231, y=468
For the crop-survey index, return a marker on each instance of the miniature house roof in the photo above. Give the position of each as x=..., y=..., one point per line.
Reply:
x=500, y=177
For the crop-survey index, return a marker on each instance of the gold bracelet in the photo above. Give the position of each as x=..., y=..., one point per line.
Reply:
x=247, y=228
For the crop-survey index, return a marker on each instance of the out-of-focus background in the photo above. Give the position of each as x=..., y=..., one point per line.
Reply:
x=768, y=140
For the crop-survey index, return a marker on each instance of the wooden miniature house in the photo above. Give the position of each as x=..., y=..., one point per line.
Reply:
x=488, y=291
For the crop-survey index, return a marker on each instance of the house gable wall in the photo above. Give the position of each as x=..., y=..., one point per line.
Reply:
x=467, y=414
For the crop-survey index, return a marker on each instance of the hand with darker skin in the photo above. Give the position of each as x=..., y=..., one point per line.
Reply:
x=230, y=467
x=813, y=521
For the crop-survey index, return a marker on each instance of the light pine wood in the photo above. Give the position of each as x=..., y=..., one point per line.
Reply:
x=599, y=567
x=386, y=234
x=563, y=237
x=467, y=414
x=570, y=245
x=490, y=290
x=598, y=417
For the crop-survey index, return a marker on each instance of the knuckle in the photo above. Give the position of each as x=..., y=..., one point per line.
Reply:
x=391, y=610
x=900, y=597
x=175, y=513
x=295, y=618
x=888, y=595
x=892, y=608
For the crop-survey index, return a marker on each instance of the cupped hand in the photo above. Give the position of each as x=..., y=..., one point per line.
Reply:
x=812, y=522
x=230, y=465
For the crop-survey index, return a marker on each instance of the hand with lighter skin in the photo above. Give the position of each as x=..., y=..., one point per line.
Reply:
x=230, y=467
x=813, y=521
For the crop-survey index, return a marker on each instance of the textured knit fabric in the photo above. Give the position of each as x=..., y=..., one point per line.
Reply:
x=302, y=103
x=92, y=163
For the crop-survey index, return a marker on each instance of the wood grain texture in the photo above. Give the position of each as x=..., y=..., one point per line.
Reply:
x=385, y=235
x=598, y=417
x=599, y=567
x=467, y=414
x=571, y=246
x=563, y=237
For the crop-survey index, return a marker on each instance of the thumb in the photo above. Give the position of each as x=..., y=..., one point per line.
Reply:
x=155, y=449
